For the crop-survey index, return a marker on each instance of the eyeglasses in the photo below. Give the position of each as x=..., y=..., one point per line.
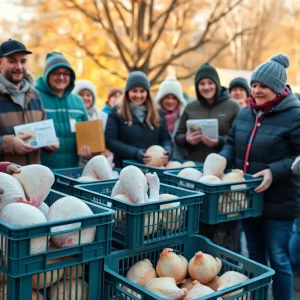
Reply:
x=64, y=74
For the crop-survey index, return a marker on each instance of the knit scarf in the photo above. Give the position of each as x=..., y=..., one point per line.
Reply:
x=171, y=117
x=92, y=112
x=139, y=111
x=269, y=105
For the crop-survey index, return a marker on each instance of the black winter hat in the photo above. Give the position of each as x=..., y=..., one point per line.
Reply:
x=239, y=81
x=207, y=71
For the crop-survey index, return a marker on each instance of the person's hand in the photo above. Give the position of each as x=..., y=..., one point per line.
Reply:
x=193, y=138
x=209, y=142
x=295, y=162
x=267, y=181
x=19, y=146
x=85, y=152
x=146, y=158
x=12, y=169
x=54, y=147
x=165, y=158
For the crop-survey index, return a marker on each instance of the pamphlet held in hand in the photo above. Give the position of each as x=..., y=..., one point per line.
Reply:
x=207, y=127
x=42, y=133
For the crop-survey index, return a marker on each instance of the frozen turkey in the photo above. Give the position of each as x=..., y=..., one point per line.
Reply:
x=13, y=190
x=23, y=215
x=36, y=181
x=100, y=167
x=70, y=207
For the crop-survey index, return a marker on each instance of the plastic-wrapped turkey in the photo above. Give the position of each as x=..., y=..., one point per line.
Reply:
x=99, y=167
x=70, y=207
x=21, y=214
x=13, y=190
x=36, y=181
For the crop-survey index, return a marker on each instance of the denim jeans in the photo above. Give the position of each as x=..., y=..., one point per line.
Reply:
x=269, y=239
x=295, y=246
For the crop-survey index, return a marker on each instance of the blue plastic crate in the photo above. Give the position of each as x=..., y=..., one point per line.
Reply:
x=222, y=202
x=16, y=259
x=118, y=263
x=142, y=224
x=66, y=179
x=87, y=283
x=159, y=171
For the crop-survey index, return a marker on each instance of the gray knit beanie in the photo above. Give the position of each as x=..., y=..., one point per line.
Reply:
x=137, y=79
x=272, y=73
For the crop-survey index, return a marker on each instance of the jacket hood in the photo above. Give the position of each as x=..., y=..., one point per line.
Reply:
x=7, y=87
x=208, y=71
x=85, y=85
x=55, y=60
x=290, y=101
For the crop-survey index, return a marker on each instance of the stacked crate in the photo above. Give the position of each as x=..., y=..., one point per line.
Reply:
x=55, y=272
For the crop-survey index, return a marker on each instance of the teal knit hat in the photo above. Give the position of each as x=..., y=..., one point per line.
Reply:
x=272, y=73
x=137, y=79
x=207, y=71
x=56, y=60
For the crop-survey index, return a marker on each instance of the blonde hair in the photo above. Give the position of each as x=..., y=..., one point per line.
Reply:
x=152, y=117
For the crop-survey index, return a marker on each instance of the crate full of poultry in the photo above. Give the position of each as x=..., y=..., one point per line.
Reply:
x=146, y=211
x=189, y=268
x=157, y=164
x=229, y=194
x=42, y=232
x=68, y=281
x=98, y=169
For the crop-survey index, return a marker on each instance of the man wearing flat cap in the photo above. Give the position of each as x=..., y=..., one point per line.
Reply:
x=19, y=104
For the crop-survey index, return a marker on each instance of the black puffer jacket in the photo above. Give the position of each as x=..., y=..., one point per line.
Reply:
x=275, y=145
x=125, y=141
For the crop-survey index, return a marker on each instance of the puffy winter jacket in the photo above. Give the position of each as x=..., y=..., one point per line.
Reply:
x=125, y=141
x=275, y=145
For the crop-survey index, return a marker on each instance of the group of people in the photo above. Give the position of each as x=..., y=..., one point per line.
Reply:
x=259, y=133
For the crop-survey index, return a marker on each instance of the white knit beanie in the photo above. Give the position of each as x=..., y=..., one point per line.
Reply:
x=85, y=85
x=170, y=86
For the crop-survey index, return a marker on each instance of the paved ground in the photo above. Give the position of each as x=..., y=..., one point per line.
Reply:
x=296, y=295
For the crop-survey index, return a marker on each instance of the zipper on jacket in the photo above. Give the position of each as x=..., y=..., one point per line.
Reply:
x=258, y=120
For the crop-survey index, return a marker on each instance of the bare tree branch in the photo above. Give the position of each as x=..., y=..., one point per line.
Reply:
x=95, y=58
x=159, y=32
x=118, y=43
x=178, y=3
x=200, y=42
x=127, y=30
x=162, y=66
x=123, y=6
x=225, y=45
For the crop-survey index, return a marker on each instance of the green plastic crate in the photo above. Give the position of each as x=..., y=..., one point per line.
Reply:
x=66, y=179
x=87, y=283
x=133, y=220
x=223, y=202
x=159, y=171
x=118, y=263
x=16, y=259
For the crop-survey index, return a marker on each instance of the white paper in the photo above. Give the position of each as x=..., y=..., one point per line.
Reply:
x=43, y=133
x=207, y=127
x=73, y=125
